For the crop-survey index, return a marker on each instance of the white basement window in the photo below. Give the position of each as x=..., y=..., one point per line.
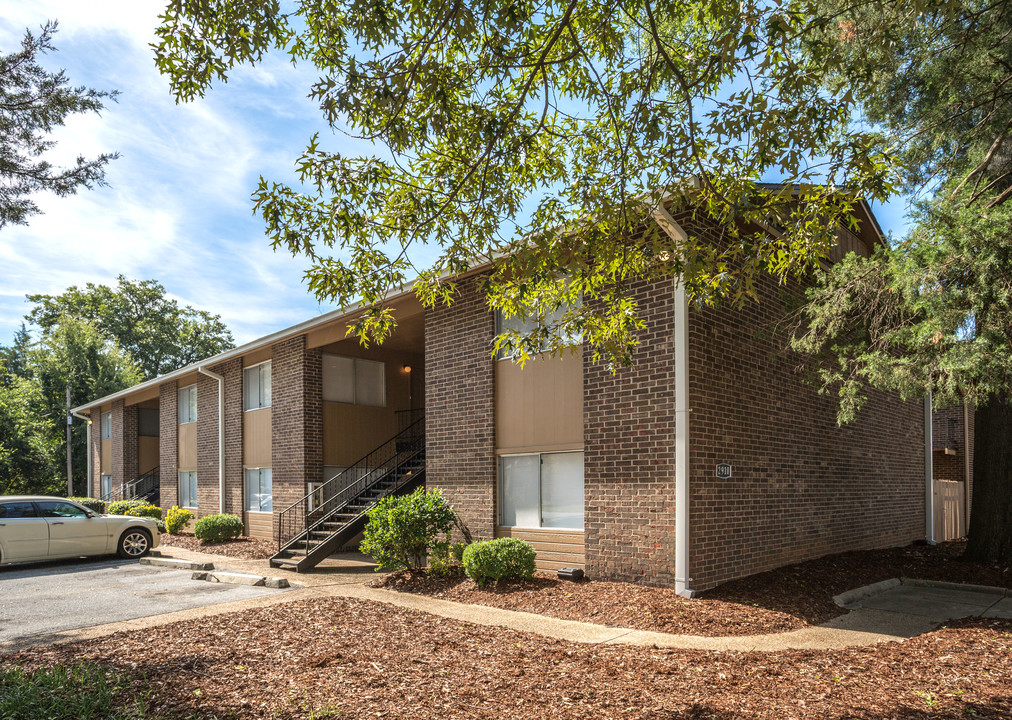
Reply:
x=188, y=488
x=256, y=383
x=541, y=490
x=259, y=490
x=188, y=405
x=355, y=381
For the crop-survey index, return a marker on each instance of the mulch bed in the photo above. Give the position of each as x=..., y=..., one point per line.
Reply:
x=245, y=548
x=781, y=600
x=356, y=659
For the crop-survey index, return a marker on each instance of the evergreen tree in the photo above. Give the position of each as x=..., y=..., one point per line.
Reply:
x=33, y=101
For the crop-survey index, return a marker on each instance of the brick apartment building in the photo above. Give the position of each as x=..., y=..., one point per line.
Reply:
x=706, y=460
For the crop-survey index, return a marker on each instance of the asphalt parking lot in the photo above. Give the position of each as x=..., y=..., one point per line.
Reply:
x=46, y=598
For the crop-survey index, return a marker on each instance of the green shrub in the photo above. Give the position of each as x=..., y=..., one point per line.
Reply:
x=120, y=507
x=499, y=559
x=93, y=504
x=161, y=525
x=218, y=528
x=152, y=511
x=402, y=529
x=176, y=519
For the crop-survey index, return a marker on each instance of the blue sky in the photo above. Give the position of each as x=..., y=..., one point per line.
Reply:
x=178, y=207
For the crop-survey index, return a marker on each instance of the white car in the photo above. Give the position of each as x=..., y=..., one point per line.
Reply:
x=47, y=528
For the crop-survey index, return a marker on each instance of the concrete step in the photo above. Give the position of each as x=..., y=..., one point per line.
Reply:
x=177, y=564
x=238, y=578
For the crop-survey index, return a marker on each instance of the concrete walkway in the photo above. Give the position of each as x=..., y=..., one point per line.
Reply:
x=891, y=611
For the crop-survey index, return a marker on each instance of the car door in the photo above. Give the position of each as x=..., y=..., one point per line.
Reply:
x=72, y=530
x=23, y=534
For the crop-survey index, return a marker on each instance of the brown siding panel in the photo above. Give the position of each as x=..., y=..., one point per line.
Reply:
x=554, y=548
x=540, y=406
x=256, y=434
x=187, y=434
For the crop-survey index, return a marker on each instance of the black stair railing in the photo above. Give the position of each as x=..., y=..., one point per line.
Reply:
x=390, y=463
x=140, y=488
x=143, y=487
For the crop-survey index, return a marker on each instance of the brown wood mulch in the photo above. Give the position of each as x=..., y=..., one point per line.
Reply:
x=245, y=548
x=781, y=600
x=346, y=658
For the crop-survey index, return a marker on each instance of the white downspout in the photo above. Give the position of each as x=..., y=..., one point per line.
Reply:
x=683, y=577
x=929, y=472
x=221, y=434
x=88, y=453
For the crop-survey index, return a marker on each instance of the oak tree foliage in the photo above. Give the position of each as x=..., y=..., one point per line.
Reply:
x=543, y=137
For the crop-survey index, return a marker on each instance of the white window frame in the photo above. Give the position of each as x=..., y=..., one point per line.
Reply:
x=245, y=489
x=104, y=486
x=106, y=425
x=180, y=415
x=260, y=400
x=502, y=485
x=179, y=488
x=355, y=364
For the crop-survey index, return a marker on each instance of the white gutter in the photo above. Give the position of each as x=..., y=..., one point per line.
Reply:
x=929, y=472
x=88, y=452
x=683, y=578
x=221, y=434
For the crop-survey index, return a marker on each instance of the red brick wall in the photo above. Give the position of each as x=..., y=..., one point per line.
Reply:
x=96, y=453
x=801, y=486
x=629, y=452
x=296, y=419
x=207, y=446
x=124, y=442
x=232, y=372
x=168, y=444
x=947, y=430
x=459, y=398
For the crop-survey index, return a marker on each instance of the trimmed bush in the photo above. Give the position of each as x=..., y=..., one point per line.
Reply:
x=120, y=507
x=499, y=559
x=176, y=519
x=218, y=528
x=152, y=511
x=402, y=529
x=93, y=504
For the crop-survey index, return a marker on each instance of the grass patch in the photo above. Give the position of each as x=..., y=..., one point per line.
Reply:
x=64, y=692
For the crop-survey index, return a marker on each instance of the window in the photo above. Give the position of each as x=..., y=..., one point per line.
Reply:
x=259, y=497
x=524, y=326
x=17, y=510
x=355, y=381
x=106, y=426
x=542, y=490
x=61, y=510
x=256, y=383
x=147, y=422
x=315, y=495
x=188, y=406
x=106, y=486
x=188, y=488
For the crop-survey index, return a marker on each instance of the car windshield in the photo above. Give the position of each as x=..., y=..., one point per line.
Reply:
x=61, y=509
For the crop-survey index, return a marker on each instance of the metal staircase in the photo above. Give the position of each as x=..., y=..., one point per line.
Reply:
x=331, y=515
x=143, y=487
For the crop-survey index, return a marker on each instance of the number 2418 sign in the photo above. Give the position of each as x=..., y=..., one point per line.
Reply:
x=724, y=471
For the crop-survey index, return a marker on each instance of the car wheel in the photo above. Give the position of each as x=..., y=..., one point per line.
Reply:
x=134, y=544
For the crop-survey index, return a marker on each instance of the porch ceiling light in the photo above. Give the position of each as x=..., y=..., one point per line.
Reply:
x=406, y=368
